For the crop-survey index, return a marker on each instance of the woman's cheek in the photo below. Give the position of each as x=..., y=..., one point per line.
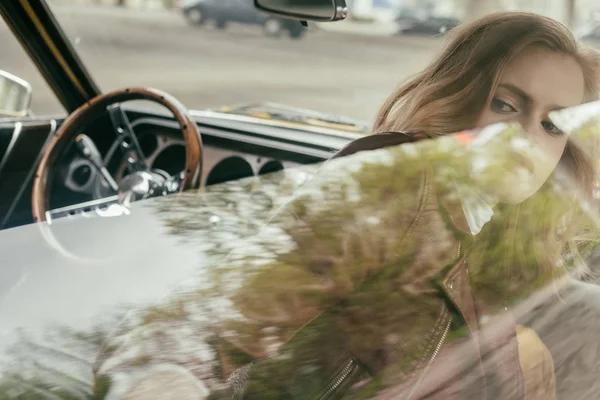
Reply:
x=484, y=119
x=488, y=117
x=553, y=148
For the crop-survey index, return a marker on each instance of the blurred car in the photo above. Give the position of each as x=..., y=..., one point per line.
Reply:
x=198, y=12
x=429, y=27
x=589, y=33
x=409, y=15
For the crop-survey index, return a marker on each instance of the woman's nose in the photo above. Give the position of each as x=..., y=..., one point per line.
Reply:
x=532, y=126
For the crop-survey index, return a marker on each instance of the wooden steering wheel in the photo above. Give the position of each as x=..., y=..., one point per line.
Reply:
x=95, y=108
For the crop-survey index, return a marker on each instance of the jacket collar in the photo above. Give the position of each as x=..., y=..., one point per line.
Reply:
x=451, y=204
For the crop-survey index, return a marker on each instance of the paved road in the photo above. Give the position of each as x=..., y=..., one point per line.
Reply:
x=205, y=67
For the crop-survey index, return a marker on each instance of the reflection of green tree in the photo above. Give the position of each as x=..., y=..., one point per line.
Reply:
x=220, y=216
x=59, y=363
x=344, y=235
x=57, y=366
x=337, y=250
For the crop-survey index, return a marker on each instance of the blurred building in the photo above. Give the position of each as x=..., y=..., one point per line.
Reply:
x=385, y=10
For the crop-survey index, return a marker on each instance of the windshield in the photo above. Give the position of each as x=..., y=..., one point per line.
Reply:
x=145, y=44
x=212, y=53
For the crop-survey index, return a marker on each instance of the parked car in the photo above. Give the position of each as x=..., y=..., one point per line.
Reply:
x=589, y=33
x=222, y=12
x=408, y=15
x=429, y=27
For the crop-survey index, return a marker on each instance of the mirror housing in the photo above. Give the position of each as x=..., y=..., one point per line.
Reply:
x=305, y=10
x=15, y=95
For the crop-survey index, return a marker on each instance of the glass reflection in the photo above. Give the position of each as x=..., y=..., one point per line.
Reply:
x=377, y=275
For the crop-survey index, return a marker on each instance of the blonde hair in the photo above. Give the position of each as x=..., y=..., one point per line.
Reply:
x=449, y=95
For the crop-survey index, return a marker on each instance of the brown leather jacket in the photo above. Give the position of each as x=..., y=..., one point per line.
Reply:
x=390, y=331
x=456, y=286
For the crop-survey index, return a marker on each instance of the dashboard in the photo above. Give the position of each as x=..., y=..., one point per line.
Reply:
x=164, y=151
x=232, y=150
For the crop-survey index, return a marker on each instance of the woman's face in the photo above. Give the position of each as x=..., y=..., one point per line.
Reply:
x=534, y=84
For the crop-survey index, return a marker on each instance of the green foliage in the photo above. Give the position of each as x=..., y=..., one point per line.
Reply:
x=171, y=312
x=332, y=271
x=350, y=264
x=102, y=386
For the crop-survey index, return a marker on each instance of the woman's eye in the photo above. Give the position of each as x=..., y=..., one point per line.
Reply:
x=551, y=128
x=502, y=106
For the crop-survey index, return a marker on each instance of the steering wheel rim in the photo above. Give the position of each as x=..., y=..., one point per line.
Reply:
x=93, y=109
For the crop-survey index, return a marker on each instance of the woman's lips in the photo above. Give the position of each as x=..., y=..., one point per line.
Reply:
x=525, y=162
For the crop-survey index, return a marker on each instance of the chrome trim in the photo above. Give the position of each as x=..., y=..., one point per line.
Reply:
x=340, y=13
x=53, y=126
x=11, y=144
x=18, y=80
x=92, y=205
x=26, y=96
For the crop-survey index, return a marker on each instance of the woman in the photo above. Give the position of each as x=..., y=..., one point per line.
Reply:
x=377, y=280
x=397, y=310
x=502, y=68
x=370, y=315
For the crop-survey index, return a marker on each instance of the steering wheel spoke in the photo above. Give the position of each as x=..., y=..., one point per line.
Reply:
x=130, y=146
x=90, y=152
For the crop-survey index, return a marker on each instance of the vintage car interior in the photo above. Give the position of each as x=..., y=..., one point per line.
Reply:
x=105, y=153
x=101, y=308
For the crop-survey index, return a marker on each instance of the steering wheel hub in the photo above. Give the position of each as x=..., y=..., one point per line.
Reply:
x=140, y=185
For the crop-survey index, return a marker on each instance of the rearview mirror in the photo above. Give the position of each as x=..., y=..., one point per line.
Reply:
x=15, y=95
x=305, y=10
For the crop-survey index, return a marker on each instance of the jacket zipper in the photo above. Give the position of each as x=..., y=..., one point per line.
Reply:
x=433, y=356
x=438, y=347
x=337, y=381
x=351, y=365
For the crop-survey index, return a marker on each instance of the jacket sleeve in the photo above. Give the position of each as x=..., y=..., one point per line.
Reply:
x=347, y=224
